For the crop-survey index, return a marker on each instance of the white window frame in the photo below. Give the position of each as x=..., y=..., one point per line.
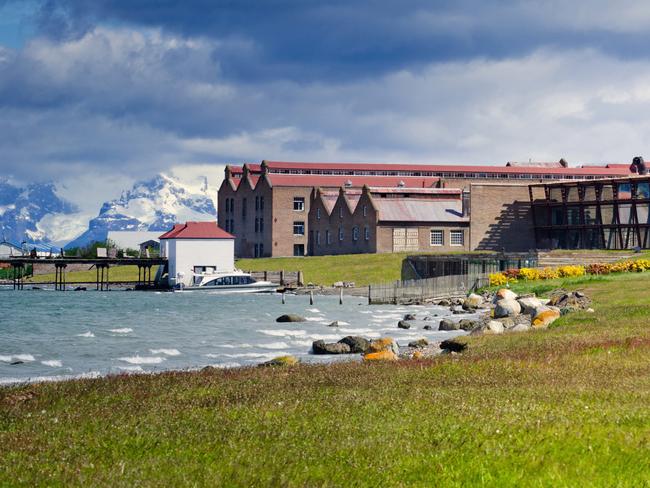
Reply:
x=297, y=223
x=300, y=202
x=355, y=233
x=328, y=237
x=341, y=234
x=438, y=232
x=318, y=213
x=455, y=233
x=366, y=233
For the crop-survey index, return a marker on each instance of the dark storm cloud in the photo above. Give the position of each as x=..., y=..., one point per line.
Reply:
x=308, y=40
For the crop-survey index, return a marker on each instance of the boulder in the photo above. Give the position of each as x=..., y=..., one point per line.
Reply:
x=444, y=303
x=507, y=322
x=519, y=328
x=428, y=327
x=417, y=355
x=494, y=327
x=419, y=343
x=380, y=356
x=336, y=323
x=281, y=361
x=529, y=305
x=320, y=347
x=506, y=307
x=403, y=324
x=545, y=318
x=290, y=318
x=467, y=324
x=504, y=294
x=409, y=316
x=357, y=344
x=458, y=309
x=453, y=345
x=473, y=301
x=384, y=344
x=448, y=324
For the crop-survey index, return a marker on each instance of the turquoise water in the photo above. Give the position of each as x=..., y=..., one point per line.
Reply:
x=55, y=335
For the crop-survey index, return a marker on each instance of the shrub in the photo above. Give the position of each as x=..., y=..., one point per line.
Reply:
x=571, y=271
x=529, y=274
x=548, y=274
x=498, y=279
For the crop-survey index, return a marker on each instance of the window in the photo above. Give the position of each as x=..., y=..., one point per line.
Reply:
x=318, y=213
x=261, y=250
x=318, y=238
x=227, y=204
x=298, y=249
x=456, y=237
x=261, y=203
x=366, y=232
x=340, y=212
x=298, y=204
x=232, y=225
x=243, y=208
x=437, y=238
x=261, y=225
x=328, y=237
x=365, y=210
x=341, y=235
x=355, y=233
x=257, y=203
x=257, y=251
x=299, y=228
x=257, y=227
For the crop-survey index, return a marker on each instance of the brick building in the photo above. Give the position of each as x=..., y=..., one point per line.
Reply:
x=267, y=206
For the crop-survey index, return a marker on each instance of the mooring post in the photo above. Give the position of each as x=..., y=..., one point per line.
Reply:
x=311, y=297
x=282, y=277
x=369, y=295
x=340, y=296
x=63, y=282
x=284, y=300
x=107, y=280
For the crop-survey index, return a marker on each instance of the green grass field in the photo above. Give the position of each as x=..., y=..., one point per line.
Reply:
x=566, y=406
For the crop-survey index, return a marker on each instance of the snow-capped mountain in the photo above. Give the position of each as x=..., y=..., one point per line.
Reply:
x=153, y=205
x=24, y=209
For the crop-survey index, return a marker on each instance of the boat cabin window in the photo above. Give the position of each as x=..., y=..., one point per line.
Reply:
x=230, y=281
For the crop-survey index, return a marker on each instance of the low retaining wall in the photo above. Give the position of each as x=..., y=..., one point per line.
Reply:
x=427, y=289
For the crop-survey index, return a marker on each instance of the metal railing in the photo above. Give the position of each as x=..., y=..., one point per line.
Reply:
x=430, y=288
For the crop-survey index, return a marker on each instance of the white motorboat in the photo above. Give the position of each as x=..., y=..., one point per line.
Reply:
x=235, y=281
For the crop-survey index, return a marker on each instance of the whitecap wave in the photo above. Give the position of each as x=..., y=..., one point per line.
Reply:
x=167, y=352
x=314, y=319
x=231, y=364
x=86, y=334
x=283, y=332
x=123, y=330
x=325, y=337
x=131, y=369
x=17, y=357
x=273, y=345
x=255, y=355
x=143, y=360
x=47, y=379
x=55, y=363
x=313, y=310
x=234, y=346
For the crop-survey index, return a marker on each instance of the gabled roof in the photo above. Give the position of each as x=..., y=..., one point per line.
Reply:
x=420, y=210
x=337, y=181
x=197, y=230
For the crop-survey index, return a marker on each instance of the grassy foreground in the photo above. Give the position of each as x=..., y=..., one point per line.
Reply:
x=566, y=406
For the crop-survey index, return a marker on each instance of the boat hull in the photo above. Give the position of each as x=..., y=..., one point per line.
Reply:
x=266, y=288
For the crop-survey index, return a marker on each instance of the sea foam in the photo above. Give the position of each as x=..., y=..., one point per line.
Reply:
x=283, y=332
x=123, y=330
x=17, y=357
x=167, y=352
x=143, y=360
x=86, y=334
x=55, y=363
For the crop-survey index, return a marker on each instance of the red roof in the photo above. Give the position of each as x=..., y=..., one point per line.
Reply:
x=337, y=181
x=612, y=169
x=197, y=230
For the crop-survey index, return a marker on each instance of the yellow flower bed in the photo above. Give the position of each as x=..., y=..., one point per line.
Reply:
x=571, y=271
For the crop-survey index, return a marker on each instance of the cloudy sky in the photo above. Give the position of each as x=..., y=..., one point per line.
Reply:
x=97, y=94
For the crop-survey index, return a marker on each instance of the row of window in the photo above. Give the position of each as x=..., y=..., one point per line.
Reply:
x=230, y=205
x=230, y=225
x=457, y=175
x=355, y=235
x=456, y=237
x=259, y=225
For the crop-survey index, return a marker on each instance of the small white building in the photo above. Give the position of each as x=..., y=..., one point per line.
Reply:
x=194, y=248
x=131, y=239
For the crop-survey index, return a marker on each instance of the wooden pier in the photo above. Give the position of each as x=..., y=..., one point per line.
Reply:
x=102, y=266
